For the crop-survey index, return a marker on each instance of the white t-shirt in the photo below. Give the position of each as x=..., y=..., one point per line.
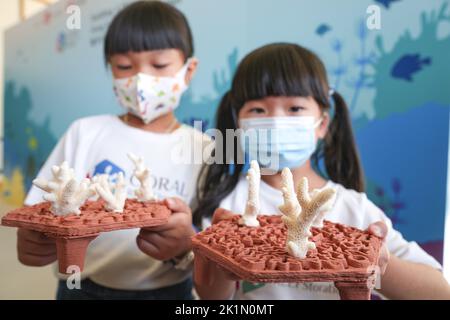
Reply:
x=99, y=145
x=351, y=208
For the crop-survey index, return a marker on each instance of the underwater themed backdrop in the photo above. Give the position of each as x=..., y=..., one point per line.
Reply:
x=394, y=80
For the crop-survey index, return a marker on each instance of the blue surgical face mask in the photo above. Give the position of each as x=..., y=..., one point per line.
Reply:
x=279, y=142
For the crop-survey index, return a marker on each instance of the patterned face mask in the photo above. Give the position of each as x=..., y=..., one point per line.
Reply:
x=149, y=97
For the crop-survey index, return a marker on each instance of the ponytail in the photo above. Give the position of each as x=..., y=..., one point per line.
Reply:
x=216, y=181
x=342, y=161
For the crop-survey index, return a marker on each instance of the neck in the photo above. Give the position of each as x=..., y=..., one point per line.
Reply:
x=315, y=180
x=165, y=124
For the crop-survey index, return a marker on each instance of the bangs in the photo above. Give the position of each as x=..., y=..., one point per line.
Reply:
x=278, y=70
x=146, y=26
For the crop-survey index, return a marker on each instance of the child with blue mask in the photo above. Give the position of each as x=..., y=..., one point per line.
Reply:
x=280, y=100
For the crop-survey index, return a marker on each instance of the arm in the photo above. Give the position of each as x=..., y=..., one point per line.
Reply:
x=34, y=249
x=428, y=282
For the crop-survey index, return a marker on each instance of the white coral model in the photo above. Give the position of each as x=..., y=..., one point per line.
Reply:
x=249, y=218
x=142, y=173
x=114, y=195
x=64, y=192
x=299, y=212
x=318, y=221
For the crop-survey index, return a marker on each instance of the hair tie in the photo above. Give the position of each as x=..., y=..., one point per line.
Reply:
x=331, y=92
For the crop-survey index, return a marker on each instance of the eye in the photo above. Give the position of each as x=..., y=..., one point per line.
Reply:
x=257, y=110
x=124, y=67
x=160, y=66
x=295, y=109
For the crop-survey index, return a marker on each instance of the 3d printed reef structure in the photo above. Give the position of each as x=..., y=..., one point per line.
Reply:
x=297, y=246
x=72, y=216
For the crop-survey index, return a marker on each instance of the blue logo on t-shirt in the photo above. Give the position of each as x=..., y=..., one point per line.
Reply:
x=107, y=167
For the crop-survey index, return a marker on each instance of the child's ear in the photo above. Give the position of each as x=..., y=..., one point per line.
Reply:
x=322, y=130
x=192, y=69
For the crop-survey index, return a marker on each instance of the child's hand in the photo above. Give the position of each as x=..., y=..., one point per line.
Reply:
x=34, y=249
x=172, y=239
x=380, y=230
x=221, y=215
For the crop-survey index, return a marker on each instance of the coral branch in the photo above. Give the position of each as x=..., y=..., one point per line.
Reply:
x=300, y=215
x=113, y=194
x=64, y=192
x=142, y=173
x=249, y=218
x=291, y=207
x=326, y=208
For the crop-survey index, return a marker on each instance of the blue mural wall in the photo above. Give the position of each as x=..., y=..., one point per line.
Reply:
x=395, y=80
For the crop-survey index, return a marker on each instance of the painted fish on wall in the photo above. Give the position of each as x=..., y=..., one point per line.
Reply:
x=408, y=65
x=386, y=3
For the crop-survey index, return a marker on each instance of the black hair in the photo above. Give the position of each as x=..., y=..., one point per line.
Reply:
x=281, y=69
x=148, y=25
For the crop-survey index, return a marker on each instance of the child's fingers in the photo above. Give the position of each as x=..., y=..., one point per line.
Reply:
x=221, y=214
x=33, y=248
x=177, y=205
x=36, y=260
x=379, y=229
x=152, y=237
x=148, y=248
x=175, y=221
x=34, y=236
x=384, y=259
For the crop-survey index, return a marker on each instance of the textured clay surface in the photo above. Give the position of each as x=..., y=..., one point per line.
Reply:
x=92, y=220
x=342, y=254
x=73, y=233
